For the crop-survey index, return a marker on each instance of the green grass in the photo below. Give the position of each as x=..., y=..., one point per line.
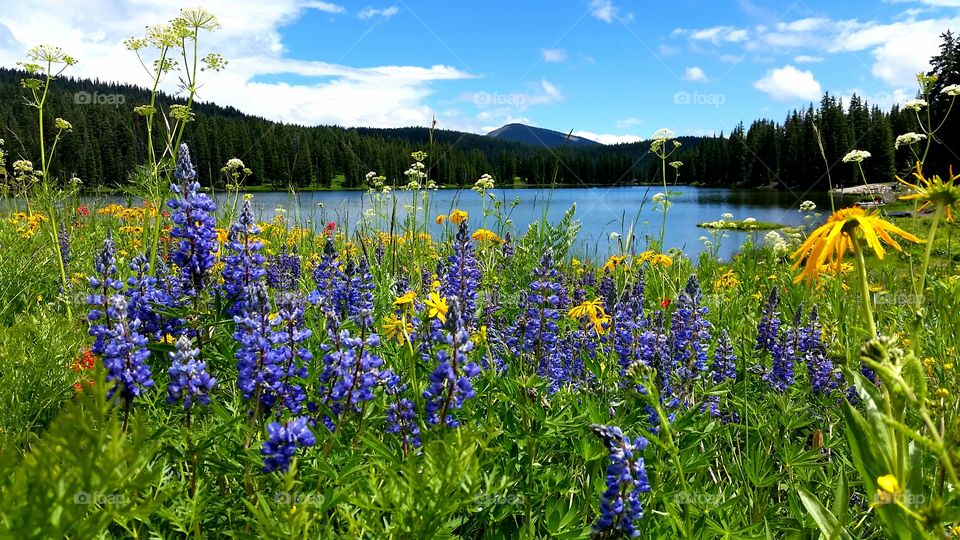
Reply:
x=742, y=225
x=524, y=461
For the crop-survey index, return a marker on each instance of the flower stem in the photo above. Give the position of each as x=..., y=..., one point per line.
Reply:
x=937, y=215
x=864, y=288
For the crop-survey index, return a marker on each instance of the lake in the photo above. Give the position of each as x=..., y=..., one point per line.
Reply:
x=601, y=211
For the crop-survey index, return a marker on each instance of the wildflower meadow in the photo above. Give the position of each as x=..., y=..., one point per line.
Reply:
x=183, y=366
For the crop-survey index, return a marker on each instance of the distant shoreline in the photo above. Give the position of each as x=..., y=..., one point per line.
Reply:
x=310, y=189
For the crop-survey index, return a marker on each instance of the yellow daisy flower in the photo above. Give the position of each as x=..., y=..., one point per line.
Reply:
x=933, y=192
x=486, y=235
x=406, y=301
x=593, y=310
x=436, y=307
x=832, y=240
x=395, y=327
x=458, y=216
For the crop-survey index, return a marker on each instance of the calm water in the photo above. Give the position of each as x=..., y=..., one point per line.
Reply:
x=601, y=211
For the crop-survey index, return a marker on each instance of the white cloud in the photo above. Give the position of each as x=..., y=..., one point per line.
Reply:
x=250, y=39
x=549, y=93
x=606, y=138
x=384, y=13
x=789, y=83
x=715, y=34
x=695, y=74
x=604, y=10
x=554, y=55
x=899, y=49
x=326, y=7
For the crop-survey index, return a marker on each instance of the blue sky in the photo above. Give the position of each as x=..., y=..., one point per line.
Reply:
x=616, y=70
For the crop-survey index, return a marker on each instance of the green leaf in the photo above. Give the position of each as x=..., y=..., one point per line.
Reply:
x=825, y=520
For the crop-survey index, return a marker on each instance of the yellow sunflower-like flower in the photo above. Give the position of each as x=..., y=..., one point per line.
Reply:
x=480, y=336
x=441, y=219
x=396, y=327
x=612, y=263
x=593, y=310
x=458, y=216
x=654, y=258
x=727, y=281
x=436, y=306
x=933, y=191
x=486, y=235
x=831, y=240
x=661, y=259
x=406, y=301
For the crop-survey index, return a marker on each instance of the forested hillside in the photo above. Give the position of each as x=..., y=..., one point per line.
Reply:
x=107, y=142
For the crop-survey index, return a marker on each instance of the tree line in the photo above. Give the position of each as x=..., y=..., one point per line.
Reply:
x=108, y=142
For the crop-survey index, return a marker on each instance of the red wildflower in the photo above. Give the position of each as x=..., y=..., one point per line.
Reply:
x=330, y=226
x=85, y=362
x=665, y=303
x=83, y=210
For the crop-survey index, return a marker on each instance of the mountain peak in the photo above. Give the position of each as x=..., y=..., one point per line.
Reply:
x=536, y=136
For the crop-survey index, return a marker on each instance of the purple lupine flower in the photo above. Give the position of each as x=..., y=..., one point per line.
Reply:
x=143, y=295
x=63, y=239
x=283, y=270
x=724, y=360
x=401, y=413
x=463, y=276
x=690, y=334
x=506, y=249
x=712, y=403
x=769, y=322
x=784, y=353
x=494, y=356
x=450, y=382
x=189, y=379
x=358, y=304
x=331, y=290
x=167, y=293
x=627, y=326
x=350, y=375
x=254, y=326
x=626, y=479
x=536, y=332
x=654, y=350
x=823, y=378
x=125, y=354
x=194, y=227
x=283, y=441
x=288, y=358
x=244, y=263
x=102, y=315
